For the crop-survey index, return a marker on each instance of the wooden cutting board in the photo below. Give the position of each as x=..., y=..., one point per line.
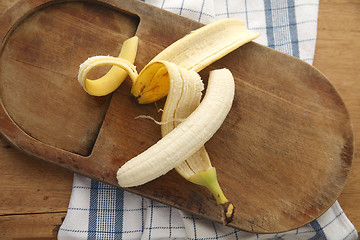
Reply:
x=283, y=154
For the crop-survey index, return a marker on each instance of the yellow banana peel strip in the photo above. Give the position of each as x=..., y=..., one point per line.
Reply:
x=122, y=67
x=207, y=44
x=198, y=50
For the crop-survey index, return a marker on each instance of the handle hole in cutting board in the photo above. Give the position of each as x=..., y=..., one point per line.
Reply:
x=39, y=63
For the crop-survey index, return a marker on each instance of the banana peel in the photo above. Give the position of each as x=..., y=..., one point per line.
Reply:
x=173, y=73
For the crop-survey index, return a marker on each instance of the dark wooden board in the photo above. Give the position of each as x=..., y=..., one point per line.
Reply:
x=283, y=154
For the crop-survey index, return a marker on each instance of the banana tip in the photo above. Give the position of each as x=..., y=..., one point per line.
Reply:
x=228, y=211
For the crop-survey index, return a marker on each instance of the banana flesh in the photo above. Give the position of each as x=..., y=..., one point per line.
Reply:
x=189, y=135
x=197, y=168
x=173, y=73
x=181, y=108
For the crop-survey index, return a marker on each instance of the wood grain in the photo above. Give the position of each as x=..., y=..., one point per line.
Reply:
x=336, y=55
x=325, y=59
x=30, y=226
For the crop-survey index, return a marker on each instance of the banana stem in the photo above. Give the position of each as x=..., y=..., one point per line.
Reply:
x=209, y=180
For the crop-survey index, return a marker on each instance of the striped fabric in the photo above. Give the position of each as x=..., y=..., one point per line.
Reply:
x=285, y=25
x=99, y=211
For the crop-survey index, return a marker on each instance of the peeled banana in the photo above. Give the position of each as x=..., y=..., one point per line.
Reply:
x=189, y=135
x=197, y=168
x=173, y=73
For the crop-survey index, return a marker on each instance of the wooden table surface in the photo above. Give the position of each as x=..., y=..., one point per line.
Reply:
x=34, y=195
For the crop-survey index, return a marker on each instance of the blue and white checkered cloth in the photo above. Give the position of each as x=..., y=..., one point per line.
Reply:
x=99, y=211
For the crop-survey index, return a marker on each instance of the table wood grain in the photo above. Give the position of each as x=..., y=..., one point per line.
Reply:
x=34, y=195
x=337, y=56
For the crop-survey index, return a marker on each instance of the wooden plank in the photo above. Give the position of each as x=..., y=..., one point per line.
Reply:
x=31, y=226
x=337, y=56
x=30, y=185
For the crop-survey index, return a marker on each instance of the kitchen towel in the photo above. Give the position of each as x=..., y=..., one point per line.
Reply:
x=100, y=211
